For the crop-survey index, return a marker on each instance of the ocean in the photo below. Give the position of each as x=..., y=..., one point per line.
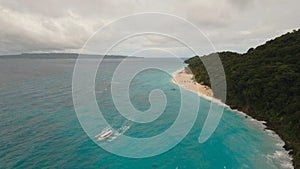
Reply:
x=39, y=127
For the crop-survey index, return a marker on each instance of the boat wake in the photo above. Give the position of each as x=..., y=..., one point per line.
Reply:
x=119, y=132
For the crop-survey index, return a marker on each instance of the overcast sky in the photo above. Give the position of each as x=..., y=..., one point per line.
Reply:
x=65, y=25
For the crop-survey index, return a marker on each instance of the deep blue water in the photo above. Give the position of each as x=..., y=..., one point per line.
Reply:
x=39, y=127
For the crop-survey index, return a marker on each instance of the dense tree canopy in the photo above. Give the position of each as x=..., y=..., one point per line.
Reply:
x=265, y=83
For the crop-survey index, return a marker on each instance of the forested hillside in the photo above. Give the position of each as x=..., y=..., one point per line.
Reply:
x=264, y=83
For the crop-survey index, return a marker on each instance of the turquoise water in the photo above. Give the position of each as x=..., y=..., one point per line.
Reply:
x=39, y=127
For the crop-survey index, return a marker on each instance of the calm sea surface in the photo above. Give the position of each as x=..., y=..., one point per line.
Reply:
x=39, y=127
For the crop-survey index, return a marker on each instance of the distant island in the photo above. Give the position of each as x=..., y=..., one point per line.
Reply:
x=265, y=84
x=62, y=56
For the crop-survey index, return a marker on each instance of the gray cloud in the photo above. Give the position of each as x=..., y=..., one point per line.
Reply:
x=242, y=4
x=63, y=26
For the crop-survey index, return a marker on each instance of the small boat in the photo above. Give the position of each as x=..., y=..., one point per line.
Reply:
x=104, y=135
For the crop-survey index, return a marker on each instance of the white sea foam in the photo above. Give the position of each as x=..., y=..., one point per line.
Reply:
x=282, y=158
x=279, y=157
x=119, y=132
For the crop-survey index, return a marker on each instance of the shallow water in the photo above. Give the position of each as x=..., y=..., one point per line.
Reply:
x=39, y=127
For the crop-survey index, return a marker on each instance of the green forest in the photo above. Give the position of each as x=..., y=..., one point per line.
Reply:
x=265, y=84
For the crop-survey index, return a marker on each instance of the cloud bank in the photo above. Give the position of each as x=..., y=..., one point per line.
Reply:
x=64, y=26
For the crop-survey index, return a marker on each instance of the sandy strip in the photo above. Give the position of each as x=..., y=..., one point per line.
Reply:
x=185, y=80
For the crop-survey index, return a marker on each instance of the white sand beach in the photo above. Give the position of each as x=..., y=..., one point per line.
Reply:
x=186, y=80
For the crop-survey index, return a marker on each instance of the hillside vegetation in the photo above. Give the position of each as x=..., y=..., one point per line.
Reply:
x=264, y=83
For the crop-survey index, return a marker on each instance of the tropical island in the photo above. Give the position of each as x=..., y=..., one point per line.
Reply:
x=265, y=84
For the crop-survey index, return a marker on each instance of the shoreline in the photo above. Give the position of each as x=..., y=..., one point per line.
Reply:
x=186, y=80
